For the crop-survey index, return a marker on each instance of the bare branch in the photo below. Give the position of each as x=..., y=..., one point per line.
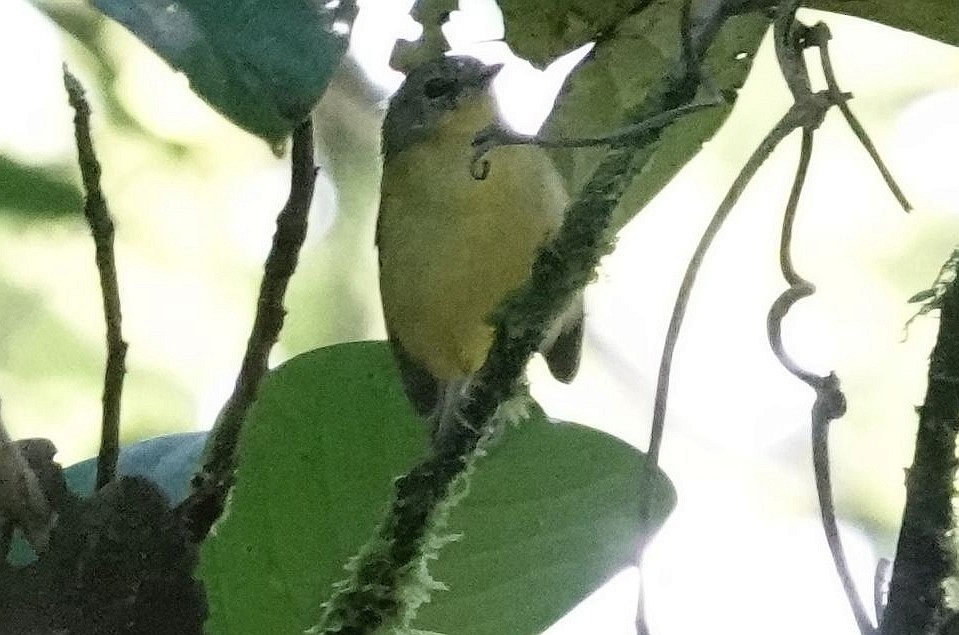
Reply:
x=498, y=135
x=819, y=35
x=101, y=226
x=213, y=482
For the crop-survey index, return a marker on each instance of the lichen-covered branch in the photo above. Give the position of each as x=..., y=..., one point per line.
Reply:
x=101, y=226
x=925, y=555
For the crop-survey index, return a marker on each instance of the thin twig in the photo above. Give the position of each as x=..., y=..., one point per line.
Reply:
x=101, y=226
x=213, y=481
x=798, y=287
x=806, y=113
x=820, y=34
x=496, y=135
x=692, y=32
x=791, y=39
x=690, y=59
x=793, y=119
x=639, y=620
x=830, y=403
x=788, y=36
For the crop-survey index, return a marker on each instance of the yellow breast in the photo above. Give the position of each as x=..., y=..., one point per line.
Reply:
x=452, y=247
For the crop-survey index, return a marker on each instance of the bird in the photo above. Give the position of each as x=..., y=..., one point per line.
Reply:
x=453, y=244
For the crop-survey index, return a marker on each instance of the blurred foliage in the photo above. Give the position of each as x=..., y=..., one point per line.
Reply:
x=36, y=194
x=934, y=19
x=332, y=286
x=542, y=30
x=263, y=65
x=190, y=244
x=85, y=29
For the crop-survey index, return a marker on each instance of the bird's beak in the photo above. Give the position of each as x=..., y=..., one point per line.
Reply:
x=490, y=72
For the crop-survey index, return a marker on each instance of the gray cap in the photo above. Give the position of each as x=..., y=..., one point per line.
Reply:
x=429, y=91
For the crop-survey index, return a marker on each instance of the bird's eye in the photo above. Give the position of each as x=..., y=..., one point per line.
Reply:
x=438, y=87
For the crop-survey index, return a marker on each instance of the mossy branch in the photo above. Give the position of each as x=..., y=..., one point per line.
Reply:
x=925, y=556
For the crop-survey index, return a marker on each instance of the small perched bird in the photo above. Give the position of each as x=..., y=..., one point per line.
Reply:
x=453, y=246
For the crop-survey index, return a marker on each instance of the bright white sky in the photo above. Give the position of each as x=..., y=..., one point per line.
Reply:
x=736, y=556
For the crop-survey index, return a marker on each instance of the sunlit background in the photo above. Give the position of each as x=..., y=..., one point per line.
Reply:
x=195, y=200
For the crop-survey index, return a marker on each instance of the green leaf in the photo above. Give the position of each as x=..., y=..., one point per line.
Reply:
x=621, y=71
x=542, y=30
x=553, y=512
x=936, y=19
x=553, y=509
x=32, y=193
x=327, y=435
x=263, y=65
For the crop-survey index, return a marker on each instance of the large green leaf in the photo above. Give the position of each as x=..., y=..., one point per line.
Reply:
x=553, y=509
x=621, y=71
x=263, y=65
x=327, y=435
x=553, y=512
x=936, y=19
